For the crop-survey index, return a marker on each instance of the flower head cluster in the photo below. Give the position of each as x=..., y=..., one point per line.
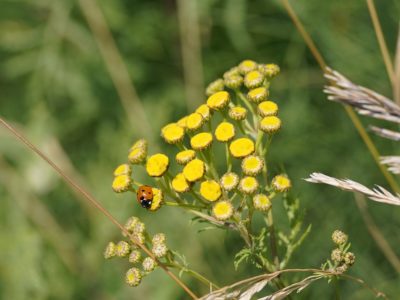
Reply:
x=341, y=257
x=141, y=265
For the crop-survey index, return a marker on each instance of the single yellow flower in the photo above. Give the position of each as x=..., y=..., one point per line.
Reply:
x=122, y=249
x=194, y=121
x=123, y=169
x=258, y=95
x=247, y=66
x=149, y=264
x=135, y=256
x=248, y=185
x=138, y=152
x=232, y=72
x=110, y=251
x=133, y=277
x=218, y=100
x=204, y=110
x=241, y=147
x=229, y=181
x=158, y=199
x=252, y=165
x=210, y=190
x=158, y=238
x=225, y=132
x=267, y=108
x=183, y=157
x=172, y=133
x=253, y=79
x=270, y=124
x=182, y=122
x=269, y=70
x=281, y=183
x=131, y=223
x=194, y=170
x=237, y=113
x=157, y=165
x=222, y=210
x=179, y=183
x=121, y=183
x=142, y=143
x=215, y=86
x=159, y=250
x=233, y=82
x=261, y=202
x=201, y=141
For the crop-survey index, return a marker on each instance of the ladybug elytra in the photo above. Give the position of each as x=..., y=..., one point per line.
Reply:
x=145, y=196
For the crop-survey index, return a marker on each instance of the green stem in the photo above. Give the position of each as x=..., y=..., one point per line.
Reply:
x=184, y=205
x=194, y=274
x=228, y=158
x=269, y=220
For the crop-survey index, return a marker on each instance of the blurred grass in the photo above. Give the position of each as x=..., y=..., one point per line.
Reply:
x=56, y=86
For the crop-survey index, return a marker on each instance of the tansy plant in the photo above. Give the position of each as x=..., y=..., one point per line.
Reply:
x=238, y=120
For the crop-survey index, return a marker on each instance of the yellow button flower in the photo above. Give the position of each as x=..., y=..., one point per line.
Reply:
x=257, y=95
x=270, y=124
x=222, y=210
x=179, y=183
x=247, y=66
x=157, y=165
x=182, y=122
x=233, y=82
x=138, y=152
x=261, y=202
x=225, y=132
x=194, y=170
x=237, y=113
x=267, y=108
x=158, y=199
x=183, y=157
x=218, y=100
x=210, y=190
x=123, y=169
x=241, y=147
x=248, y=185
x=215, y=86
x=253, y=79
x=281, y=183
x=269, y=70
x=201, y=141
x=252, y=165
x=121, y=183
x=229, y=181
x=122, y=249
x=204, y=110
x=172, y=133
x=133, y=277
x=194, y=121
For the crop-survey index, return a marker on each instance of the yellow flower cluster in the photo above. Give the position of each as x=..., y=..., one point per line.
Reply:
x=236, y=116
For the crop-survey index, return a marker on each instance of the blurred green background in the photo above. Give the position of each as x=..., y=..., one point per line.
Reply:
x=58, y=88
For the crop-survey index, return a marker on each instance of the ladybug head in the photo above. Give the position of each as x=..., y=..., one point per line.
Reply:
x=145, y=203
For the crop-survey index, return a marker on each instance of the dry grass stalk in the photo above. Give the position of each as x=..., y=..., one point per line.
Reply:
x=297, y=286
x=378, y=194
x=393, y=162
x=386, y=133
x=364, y=100
x=396, y=83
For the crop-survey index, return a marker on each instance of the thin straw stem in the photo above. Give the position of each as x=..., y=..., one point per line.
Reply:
x=94, y=202
x=381, y=40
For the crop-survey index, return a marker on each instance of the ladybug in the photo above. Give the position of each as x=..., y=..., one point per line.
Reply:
x=145, y=196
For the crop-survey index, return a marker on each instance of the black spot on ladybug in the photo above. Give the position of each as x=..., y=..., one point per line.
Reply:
x=142, y=198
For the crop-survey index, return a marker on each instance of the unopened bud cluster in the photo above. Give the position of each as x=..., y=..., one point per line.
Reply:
x=141, y=264
x=341, y=258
